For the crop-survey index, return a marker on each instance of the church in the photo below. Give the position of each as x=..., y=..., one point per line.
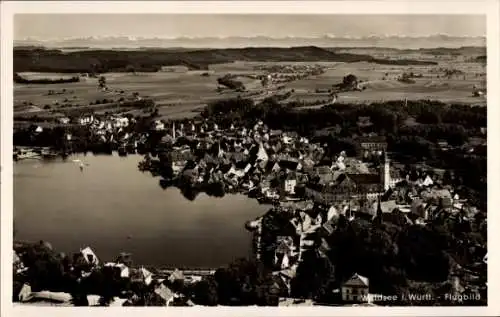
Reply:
x=364, y=186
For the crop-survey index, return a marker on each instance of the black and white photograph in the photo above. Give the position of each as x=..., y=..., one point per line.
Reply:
x=247, y=159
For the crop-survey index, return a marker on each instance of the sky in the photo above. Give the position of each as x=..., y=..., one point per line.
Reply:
x=58, y=26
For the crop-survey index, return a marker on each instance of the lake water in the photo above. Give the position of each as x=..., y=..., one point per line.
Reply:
x=113, y=207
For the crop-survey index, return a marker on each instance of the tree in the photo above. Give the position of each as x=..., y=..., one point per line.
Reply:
x=314, y=276
x=205, y=292
x=102, y=82
x=350, y=81
x=45, y=268
x=245, y=282
x=130, y=69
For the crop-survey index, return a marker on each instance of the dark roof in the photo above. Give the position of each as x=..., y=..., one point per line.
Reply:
x=292, y=165
x=365, y=179
x=357, y=280
x=237, y=156
x=322, y=170
x=328, y=228
x=372, y=139
x=291, y=175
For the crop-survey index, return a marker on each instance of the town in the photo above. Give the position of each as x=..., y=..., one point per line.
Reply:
x=243, y=160
x=316, y=197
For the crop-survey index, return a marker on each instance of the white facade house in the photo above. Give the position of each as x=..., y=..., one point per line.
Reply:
x=355, y=289
x=86, y=120
x=427, y=181
x=290, y=185
x=124, y=270
x=332, y=212
x=89, y=256
x=64, y=120
x=262, y=154
x=147, y=276
x=159, y=126
x=121, y=122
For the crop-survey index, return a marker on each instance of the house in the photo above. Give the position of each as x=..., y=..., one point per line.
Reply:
x=121, y=122
x=427, y=181
x=366, y=184
x=385, y=206
x=159, y=126
x=325, y=175
x=287, y=275
x=373, y=143
x=237, y=156
x=332, y=213
x=124, y=270
x=141, y=276
x=124, y=258
x=165, y=293
x=25, y=293
x=62, y=118
x=290, y=182
x=328, y=195
x=305, y=221
x=323, y=248
x=355, y=289
x=93, y=300
x=84, y=120
x=282, y=260
x=179, y=158
x=328, y=227
x=89, y=256
x=290, y=164
x=176, y=275
x=262, y=154
x=364, y=122
x=265, y=185
x=147, y=276
x=443, y=145
x=52, y=297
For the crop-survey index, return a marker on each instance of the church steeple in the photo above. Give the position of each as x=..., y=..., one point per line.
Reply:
x=379, y=208
x=378, y=215
x=385, y=172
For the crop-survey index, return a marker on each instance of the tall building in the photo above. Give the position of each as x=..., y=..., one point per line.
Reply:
x=385, y=172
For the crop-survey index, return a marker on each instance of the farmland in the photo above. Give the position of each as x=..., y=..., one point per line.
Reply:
x=381, y=83
x=179, y=91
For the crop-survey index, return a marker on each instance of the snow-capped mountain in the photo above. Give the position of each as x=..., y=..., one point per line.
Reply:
x=393, y=41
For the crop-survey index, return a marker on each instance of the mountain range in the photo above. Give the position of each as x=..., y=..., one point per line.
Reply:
x=389, y=41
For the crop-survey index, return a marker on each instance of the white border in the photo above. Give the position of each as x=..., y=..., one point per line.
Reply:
x=487, y=7
x=260, y=7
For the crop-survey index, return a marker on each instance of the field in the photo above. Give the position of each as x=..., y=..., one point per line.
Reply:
x=429, y=86
x=180, y=92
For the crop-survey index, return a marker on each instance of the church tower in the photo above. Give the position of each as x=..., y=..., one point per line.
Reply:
x=385, y=172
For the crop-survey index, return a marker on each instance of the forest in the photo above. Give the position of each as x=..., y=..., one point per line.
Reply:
x=102, y=61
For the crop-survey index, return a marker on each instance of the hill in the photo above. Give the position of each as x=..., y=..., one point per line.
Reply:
x=102, y=61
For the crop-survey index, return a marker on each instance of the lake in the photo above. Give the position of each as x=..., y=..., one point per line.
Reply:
x=113, y=207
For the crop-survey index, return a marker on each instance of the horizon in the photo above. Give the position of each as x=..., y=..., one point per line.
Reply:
x=47, y=27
